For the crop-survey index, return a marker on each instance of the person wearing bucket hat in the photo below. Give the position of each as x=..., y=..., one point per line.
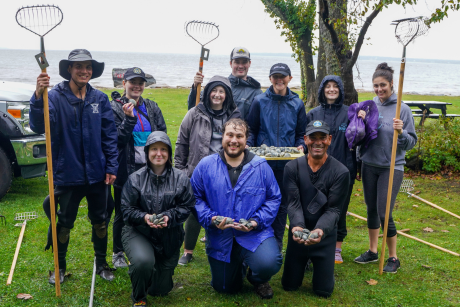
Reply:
x=84, y=147
x=153, y=248
x=277, y=118
x=200, y=135
x=316, y=186
x=244, y=87
x=135, y=117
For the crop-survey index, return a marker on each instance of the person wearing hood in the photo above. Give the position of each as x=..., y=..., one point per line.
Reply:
x=84, y=149
x=376, y=162
x=278, y=118
x=153, y=249
x=331, y=110
x=135, y=117
x=244, y=88
x=200, y=135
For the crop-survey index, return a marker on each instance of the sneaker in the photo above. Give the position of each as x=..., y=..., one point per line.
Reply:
x=185, y=259
x=203, y=240
x=140, y=303
x=392, y=265
x=119, y=260
x=52, y=276
x=338, y=255
x=105, y=272
x=367, y=257
x=264, y=290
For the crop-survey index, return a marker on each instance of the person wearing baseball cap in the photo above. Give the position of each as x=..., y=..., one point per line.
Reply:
x=244, y=87
x=84, y=146
x=277, y=118
x=316, y=186
x=135, y=117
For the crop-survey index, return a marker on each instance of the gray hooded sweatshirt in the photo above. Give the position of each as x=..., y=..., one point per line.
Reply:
x=378, y=153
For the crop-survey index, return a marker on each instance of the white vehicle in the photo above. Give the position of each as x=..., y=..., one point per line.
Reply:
x=22, y=151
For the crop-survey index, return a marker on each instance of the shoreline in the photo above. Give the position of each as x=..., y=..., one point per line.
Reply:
x=295, y=88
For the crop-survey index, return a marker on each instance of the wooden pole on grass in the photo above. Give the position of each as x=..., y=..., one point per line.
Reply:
x=411, y=237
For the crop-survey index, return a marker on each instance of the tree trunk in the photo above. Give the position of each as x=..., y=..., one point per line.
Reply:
x=351, y=95
x=306, y=67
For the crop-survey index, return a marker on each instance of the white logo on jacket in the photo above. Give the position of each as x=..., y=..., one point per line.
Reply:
x=95, y=107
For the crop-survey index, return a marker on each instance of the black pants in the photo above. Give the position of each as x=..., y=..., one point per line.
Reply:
x=67, y=199
x=375, y=186
x=321, y=254
x=279, y=225
x=192, y=231
x=342, y=225
x=118, y=222
x=149, y=272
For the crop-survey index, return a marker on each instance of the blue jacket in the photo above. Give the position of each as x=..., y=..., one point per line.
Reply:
x=256, y=195
x=336, y=116
x=83, y=135
x=276, y=120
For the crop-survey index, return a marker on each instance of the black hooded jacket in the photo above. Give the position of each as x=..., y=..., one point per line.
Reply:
x=336, y=116
x=147, y=193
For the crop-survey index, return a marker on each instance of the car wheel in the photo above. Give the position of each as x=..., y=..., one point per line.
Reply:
x=6, y=173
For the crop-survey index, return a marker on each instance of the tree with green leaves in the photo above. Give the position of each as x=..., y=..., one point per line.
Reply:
x=343, y=25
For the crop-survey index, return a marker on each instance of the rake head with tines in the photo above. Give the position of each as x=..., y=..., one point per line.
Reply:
x=40, y=20
x=202, y=32
x=408, y=29
x=25, y=216
x=407, y=186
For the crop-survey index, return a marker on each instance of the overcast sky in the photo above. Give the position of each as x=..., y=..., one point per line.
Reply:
x=158, y=26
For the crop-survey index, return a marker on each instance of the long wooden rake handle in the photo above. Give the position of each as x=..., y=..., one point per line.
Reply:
x=49, y=161
x=16, y=253
x=433, y=205
x=198, y=88
x=411, y=237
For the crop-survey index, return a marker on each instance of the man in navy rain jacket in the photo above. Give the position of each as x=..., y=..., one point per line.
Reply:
x=277, y=118
x=237, y=184
x=84, y=149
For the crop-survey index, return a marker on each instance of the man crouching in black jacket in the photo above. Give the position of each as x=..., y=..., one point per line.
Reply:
x=152, y=245
x=315, y=206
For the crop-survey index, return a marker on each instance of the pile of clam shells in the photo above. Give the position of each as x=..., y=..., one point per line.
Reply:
x=157, y=219
x=219, y=220
x=272, y=151
x=305, y=234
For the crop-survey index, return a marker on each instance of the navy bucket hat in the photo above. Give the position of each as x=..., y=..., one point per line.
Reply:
x=79, y=55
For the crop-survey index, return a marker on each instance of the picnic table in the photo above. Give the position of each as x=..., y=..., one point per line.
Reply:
x=425, y=109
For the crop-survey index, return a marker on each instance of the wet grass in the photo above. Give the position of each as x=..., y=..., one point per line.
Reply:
x=414, y=285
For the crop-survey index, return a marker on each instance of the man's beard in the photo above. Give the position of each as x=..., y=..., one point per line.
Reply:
x=234, y=155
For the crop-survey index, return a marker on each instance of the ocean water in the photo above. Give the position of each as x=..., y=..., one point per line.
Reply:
x=421, y=76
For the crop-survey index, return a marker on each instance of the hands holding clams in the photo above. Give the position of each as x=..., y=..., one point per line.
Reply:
x=128, y=109
x=156, y=221
x=305, y=237
x=222, y=223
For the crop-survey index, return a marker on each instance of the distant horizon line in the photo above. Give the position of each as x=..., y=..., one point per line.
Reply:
x=254, y=53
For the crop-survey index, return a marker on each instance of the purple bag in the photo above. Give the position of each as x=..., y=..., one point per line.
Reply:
x=359, y=131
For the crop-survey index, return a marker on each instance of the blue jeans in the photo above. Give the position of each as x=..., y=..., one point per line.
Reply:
x=265, y=262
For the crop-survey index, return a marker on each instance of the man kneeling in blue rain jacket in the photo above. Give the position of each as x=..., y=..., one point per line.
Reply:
x=236, y=184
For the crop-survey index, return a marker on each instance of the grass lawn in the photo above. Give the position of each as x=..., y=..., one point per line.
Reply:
x=428, y=277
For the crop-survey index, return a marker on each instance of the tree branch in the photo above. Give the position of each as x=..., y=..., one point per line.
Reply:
x=362, y=33
x=270, y=4
x=324, y=13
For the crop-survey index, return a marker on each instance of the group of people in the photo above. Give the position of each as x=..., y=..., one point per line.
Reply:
x=215, y=180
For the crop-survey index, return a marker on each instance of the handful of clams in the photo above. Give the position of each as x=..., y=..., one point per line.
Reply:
x=246, y=223
x=219, y=220
x=157, y=219
x=305, y=234
x=272, y=151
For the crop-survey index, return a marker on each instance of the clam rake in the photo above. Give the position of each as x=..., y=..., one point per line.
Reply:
x=203, y=33
x=40, y=20
x=407, y=186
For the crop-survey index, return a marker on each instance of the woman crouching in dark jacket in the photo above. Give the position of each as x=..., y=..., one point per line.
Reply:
x=153, y=248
